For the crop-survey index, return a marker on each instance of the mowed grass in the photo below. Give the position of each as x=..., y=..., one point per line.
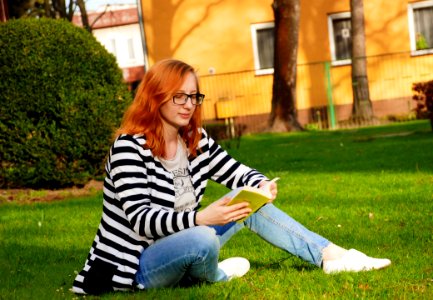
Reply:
x=369, y=189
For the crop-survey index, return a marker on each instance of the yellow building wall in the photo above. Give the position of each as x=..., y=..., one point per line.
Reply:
x=216, y=35
x=206, y=34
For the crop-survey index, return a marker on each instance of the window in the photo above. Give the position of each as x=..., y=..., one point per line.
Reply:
x=421, y=27
x=131, y=53
x=340, y=38
x=110, y=45
x=263, y=47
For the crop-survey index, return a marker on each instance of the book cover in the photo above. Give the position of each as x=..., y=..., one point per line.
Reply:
x=256, y=197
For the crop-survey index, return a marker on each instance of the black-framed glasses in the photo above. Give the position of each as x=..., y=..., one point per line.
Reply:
x=182, y=98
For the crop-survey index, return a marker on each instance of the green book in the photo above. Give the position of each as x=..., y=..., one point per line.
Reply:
x=256, y=197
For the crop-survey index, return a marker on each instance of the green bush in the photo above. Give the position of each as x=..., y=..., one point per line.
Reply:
x=228, y=136
x=423, y=97
x=62, y=95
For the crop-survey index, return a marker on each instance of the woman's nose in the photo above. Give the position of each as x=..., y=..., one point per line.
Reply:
x=188, y=103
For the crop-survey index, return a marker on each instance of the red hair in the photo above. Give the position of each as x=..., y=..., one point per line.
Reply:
x=143, y=116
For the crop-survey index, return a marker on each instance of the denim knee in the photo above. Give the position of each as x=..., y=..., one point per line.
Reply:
x=205, y=241
x=191, y=253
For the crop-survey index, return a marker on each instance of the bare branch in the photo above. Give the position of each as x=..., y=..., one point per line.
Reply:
x=100, y=16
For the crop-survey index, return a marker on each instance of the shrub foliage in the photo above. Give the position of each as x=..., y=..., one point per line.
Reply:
x=424, y=100
x=62, y=95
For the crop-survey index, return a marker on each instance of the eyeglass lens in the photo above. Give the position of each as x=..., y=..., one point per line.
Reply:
x=182, y=98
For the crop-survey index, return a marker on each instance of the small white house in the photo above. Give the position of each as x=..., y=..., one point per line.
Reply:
x=117, y=28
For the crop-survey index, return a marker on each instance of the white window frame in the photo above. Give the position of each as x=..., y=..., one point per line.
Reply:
x=331, y=18
x=254, y=28
x=412, y=33
x=130, y=47
x=111, y=46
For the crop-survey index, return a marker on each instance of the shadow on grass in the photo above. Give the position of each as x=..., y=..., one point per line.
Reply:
x=290, y=262
x=366, y=150
x=25, y=267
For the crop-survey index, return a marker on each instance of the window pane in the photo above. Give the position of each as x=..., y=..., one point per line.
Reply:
x=265, y=41
x=112, y=47
x=342, y=38
x=423, y=27
x=131, y=49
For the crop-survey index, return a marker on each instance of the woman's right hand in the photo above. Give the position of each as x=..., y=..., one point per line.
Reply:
x=219, y=213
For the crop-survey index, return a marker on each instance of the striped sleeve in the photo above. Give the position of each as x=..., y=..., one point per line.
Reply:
x=148, y=215
x=226, y=170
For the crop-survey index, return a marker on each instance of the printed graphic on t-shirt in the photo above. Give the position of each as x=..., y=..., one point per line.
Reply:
x=184, y=191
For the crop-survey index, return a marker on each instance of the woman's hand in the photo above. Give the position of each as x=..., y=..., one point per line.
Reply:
x=219, y=213
x=270, y=186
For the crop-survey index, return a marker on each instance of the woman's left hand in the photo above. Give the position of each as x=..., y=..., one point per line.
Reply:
x=270, y=186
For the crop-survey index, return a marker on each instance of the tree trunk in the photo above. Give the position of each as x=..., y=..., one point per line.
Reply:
x=62, y=9
x=362, y=106
x=84, y=18
x=284, y=115
x=51, y=9
x=47, y=8
x=70, y=11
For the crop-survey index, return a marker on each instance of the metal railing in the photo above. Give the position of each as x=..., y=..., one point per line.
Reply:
x=324, y=92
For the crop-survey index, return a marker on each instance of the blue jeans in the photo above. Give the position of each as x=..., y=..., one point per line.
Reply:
x=191, y=255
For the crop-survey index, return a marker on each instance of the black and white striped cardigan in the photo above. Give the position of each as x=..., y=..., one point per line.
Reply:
x=138, y=207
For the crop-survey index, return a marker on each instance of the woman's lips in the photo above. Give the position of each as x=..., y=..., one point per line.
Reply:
x=185, y=116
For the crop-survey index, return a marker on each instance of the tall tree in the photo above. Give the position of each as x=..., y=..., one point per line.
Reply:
x=284, y=115
x=56, y=9
x=84, y=18
x=19, y=8
x=362, y=106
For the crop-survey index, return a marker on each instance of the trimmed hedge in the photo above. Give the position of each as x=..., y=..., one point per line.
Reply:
x=62, y=95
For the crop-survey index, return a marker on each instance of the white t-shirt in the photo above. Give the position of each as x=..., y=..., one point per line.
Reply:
x=183, y=189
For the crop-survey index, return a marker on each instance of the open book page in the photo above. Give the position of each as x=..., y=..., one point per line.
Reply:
x=256, y=197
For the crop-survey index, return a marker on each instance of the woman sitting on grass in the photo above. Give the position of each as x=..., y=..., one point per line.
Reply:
x=152, y=234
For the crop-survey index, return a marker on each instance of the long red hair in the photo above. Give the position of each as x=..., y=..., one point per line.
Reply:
x=143, y=116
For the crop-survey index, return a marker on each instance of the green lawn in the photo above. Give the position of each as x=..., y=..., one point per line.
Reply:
x=370, y=189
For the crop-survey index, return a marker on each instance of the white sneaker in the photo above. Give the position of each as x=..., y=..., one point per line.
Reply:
x=234, y=267
x=354, y=261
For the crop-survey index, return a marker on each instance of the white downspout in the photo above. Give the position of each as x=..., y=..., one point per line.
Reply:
x=143, y=35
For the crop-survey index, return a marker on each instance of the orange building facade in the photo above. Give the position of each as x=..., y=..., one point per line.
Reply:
x=230, y=43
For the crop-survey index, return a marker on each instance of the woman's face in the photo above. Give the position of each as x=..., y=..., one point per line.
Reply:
x=175, y=116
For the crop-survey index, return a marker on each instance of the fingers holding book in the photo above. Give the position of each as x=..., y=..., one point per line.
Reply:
x=238, y=204
x=270, y=187
x=237, y=211
x=219, y=213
